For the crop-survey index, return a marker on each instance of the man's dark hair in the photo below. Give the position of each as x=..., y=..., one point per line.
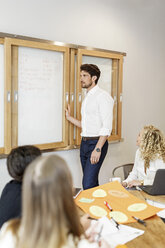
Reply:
x=93, y=70
x=19, y=158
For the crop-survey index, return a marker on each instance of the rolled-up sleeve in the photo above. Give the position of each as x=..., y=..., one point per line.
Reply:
x=106, y=104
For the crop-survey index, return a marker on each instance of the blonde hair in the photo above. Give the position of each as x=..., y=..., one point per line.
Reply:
x=49, y=212
x=152, y=145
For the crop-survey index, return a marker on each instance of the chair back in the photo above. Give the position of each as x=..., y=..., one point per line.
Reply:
x=122, y=171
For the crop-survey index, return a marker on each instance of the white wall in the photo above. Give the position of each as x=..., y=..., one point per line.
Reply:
x=132, y=26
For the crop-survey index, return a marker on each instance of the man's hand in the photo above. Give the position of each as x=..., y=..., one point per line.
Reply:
x=70, y=118
x=67, y=112
x=95, y=156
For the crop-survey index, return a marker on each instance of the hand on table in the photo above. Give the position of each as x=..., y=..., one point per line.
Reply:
x=124, y=184
x=133, y=183
x=85, y=221
x=92, y=235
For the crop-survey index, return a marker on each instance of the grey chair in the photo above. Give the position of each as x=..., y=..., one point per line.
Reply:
x=122, y=170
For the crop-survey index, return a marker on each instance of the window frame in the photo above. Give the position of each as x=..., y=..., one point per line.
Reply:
x=11, y=85
x=116, y=94
x=71, y=88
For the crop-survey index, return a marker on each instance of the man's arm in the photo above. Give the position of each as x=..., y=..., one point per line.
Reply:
x=106, y=115
x=70, y=118
x=95, y=156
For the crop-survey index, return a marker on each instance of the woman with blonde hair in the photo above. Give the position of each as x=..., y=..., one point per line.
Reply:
x=49, y=218
x=148, y=159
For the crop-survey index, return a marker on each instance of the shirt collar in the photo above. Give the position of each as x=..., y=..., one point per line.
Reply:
x=93, y=90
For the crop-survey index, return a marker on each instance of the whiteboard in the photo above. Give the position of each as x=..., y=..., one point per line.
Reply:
x=1, y=95
x=105, y=66
x=40, y=96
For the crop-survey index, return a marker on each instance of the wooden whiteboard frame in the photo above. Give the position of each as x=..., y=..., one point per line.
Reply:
x=72, y=61
x=2, y=149
x=11, y=85
x=72, y=96
x=117, y=57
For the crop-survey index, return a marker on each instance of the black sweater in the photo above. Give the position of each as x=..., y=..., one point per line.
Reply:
x=10, y=201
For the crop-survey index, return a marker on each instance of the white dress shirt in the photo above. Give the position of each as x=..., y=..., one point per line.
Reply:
x=138, y=173
x=97, y=113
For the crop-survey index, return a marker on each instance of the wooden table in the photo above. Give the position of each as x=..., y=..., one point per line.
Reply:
x=154, y=235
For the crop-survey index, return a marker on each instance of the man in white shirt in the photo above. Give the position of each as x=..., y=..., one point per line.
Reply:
x=96, y=124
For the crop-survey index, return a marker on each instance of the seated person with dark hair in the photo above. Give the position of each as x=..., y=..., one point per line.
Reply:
x=17, y=161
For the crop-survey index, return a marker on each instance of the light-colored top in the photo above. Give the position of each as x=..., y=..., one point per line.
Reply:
x=8, y=240
x=138, y=172
x=97, y=113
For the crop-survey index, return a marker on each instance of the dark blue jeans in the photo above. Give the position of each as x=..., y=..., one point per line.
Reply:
x=91, y=171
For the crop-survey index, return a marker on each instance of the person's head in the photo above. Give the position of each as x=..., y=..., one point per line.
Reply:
x=139, y=137
x=89, y=75
x=19, y=158
x=49, y=212
x=152, y=144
